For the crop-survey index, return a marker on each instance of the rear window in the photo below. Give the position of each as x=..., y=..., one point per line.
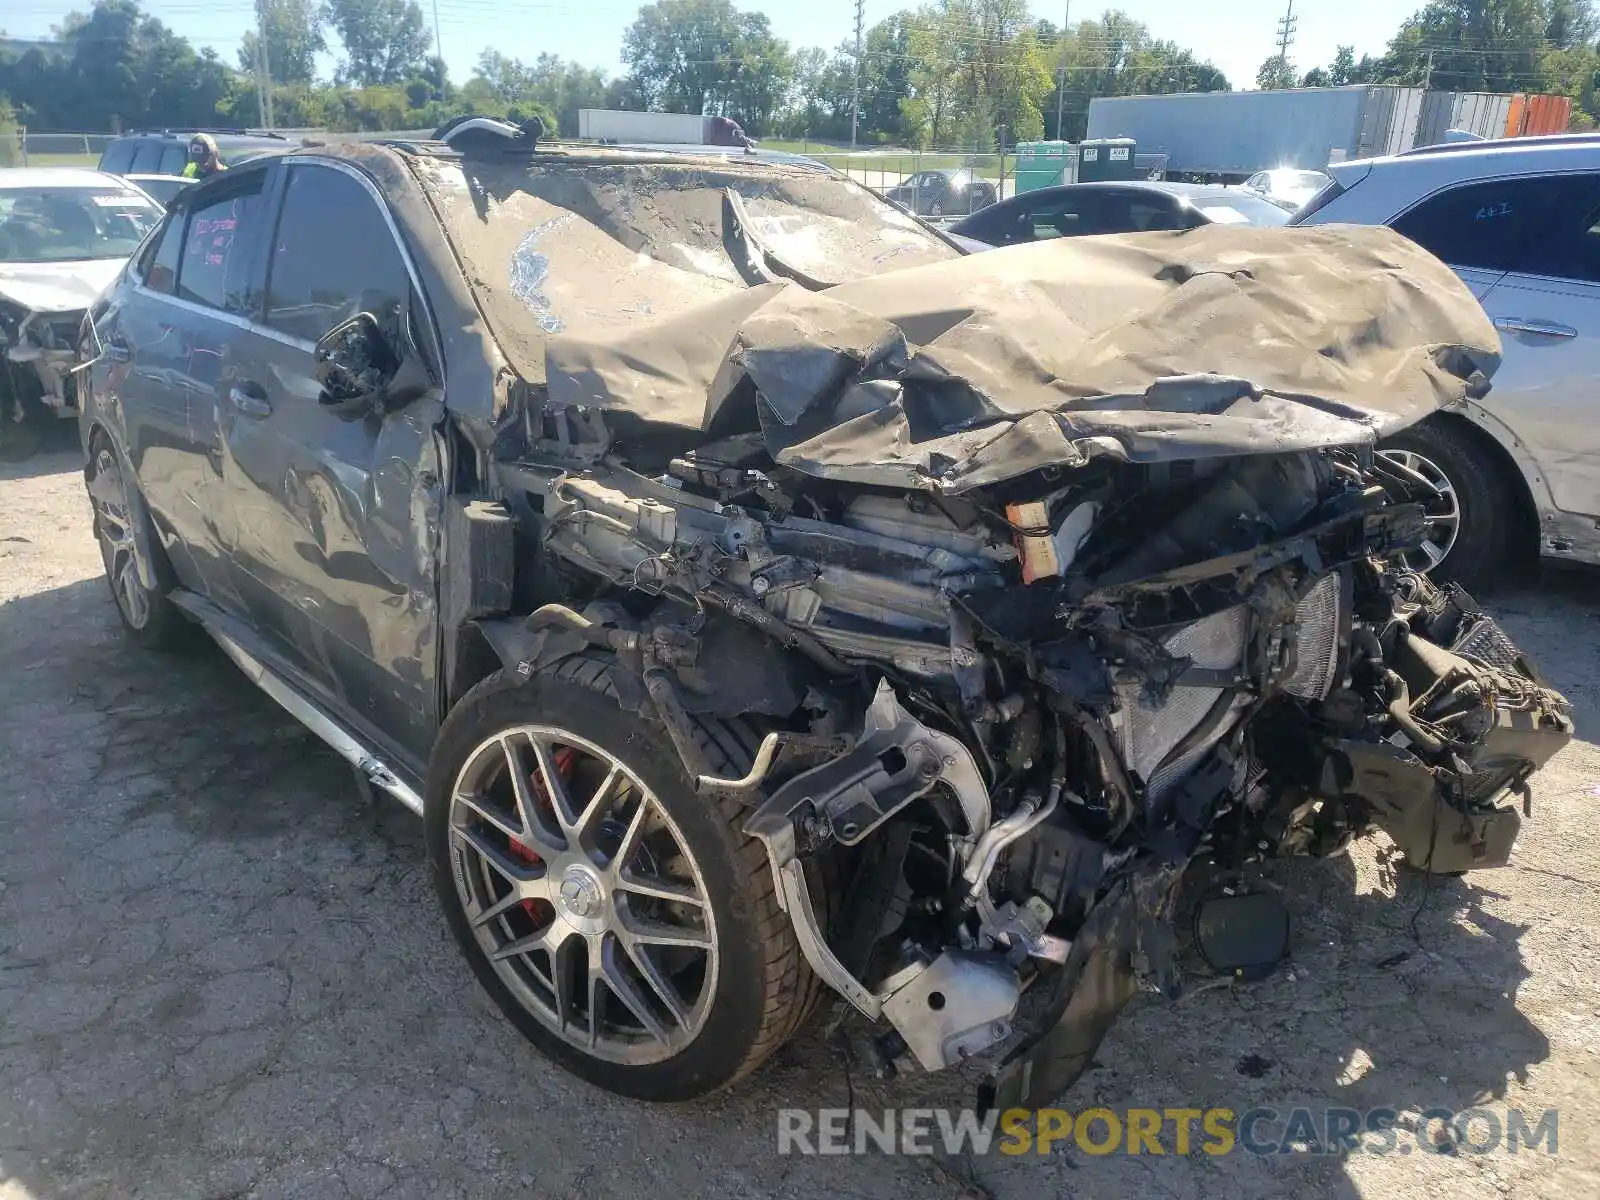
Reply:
x=173, y=159
x=118, y=158
x=147, y=159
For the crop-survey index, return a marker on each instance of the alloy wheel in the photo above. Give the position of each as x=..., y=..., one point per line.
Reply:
x=583, y=894
x=119, y=542
x=1442, y=510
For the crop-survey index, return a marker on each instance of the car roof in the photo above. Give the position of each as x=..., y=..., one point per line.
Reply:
x=56, y=177
x=1453, y=162
x=229, y=136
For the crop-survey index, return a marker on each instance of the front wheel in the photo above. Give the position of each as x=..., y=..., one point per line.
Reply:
x=1472, y=510
x=621, y=921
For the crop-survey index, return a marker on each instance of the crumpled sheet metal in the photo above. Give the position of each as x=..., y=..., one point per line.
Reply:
x=1147, y=347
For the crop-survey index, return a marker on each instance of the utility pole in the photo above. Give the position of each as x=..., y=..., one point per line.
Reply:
x=1287, y=24
x=264, y=70
x=438, y=43
x=855, y=83
x=1061, y=68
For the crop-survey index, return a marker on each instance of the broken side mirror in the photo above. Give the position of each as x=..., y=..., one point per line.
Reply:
x=363, y=372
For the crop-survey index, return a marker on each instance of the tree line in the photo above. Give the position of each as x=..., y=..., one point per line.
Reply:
x=969, y=73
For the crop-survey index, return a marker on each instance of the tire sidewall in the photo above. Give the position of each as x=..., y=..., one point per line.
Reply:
x=144, y=534
x=733, y=1024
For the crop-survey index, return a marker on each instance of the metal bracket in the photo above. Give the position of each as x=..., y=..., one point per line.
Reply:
x=896, y=759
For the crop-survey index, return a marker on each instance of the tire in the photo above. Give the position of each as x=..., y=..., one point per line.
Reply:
x=759, y=990
x=1488, y=506
x=137, y=571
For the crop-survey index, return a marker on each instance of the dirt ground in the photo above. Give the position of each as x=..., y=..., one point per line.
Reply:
x=223, y=974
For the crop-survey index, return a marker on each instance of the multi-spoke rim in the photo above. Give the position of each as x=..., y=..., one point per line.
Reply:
x=583, y=894
x=108, y=492
x=1442, y=510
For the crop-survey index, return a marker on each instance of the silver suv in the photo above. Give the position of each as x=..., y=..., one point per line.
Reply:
x=1519, y=221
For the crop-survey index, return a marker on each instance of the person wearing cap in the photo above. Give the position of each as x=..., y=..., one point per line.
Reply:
x=204, y=161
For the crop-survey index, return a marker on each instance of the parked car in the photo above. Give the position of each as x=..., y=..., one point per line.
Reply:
x=1519, y=220
x=946, y=193
x=754, y=593
x=1287, y=187
x=64, y=235
x=166, y=151
x=160, y=188
x=1134, y=206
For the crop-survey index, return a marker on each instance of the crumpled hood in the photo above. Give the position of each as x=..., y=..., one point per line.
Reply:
x=1216, y=341
x=57, y=287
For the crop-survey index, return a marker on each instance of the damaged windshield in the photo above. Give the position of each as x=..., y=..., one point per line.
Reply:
x=582, y=247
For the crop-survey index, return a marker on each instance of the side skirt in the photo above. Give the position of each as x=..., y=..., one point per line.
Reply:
x=346, y=743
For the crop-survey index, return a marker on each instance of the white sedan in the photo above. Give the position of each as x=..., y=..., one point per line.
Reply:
x=1286, y=187
x=64, y=235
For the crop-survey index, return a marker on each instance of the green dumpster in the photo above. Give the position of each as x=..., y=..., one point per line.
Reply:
x=1044, y=164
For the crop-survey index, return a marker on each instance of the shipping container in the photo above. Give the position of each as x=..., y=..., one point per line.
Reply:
x=648, y=128
x=1532, y=116
x=1483, y=114
x=1235, y=134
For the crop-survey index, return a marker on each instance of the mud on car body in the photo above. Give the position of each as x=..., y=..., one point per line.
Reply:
x=753, y=593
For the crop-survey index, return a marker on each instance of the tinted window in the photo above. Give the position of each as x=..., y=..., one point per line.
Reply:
x=215, y=260
x=160, y=264
x=1496, y=226
x=147, y=159
x=332, y=256
x=173, y=159
x=1139, y=214
x=116, y=159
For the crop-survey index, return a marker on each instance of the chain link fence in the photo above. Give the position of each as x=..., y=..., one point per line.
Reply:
x=25, y=148
x=938, y=183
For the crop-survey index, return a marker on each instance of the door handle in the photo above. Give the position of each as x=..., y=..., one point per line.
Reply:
x=1540, y=328
x=249, y=404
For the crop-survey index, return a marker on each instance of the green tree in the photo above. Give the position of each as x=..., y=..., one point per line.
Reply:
x=1343, y=70
x=1316, y=77
x=385, y=41
x=1276, y=73
x=560, y=86
x=294, y=39
x=705, y=56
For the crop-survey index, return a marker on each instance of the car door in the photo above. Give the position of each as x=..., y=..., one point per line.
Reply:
x=337, y=516
x=167, y=344
x=1530, y=249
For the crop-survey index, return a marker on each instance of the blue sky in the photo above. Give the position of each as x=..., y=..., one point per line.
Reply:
x=1236, y=36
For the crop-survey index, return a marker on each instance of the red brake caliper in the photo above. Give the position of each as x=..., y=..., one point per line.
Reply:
x=564, y=759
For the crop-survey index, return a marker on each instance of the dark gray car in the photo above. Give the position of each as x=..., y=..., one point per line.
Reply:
x=755, y=595
x=951, y=192
x=1076, y=209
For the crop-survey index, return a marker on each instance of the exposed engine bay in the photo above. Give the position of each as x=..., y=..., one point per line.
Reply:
x=1035, y=605
x=1018, y=715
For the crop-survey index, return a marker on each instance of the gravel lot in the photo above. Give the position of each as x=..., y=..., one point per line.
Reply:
x=223, y=973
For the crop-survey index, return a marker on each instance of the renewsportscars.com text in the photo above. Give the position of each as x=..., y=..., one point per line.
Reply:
x=1214, y=1131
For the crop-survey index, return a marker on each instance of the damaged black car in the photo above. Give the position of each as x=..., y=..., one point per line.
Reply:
x=759, y=598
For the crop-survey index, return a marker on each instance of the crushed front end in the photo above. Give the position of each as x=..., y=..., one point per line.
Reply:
x=1032, y=610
